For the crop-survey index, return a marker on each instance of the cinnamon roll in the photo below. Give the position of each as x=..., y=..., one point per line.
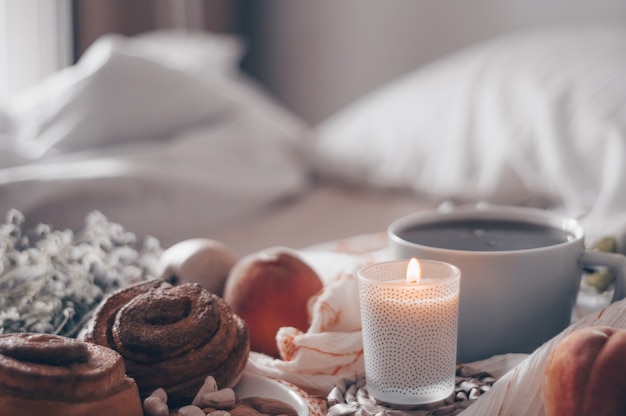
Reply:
x=59, y=376
x=172, y=337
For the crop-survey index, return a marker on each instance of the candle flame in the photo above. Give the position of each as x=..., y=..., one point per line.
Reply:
x=413, y=271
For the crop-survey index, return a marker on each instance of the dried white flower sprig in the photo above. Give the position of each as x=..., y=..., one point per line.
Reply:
x=51, y=280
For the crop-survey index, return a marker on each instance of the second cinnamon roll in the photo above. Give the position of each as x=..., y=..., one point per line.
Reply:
x=59, y=376
x=172, y=337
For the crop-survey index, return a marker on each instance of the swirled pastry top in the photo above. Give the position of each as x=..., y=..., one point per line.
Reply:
x=172, y=337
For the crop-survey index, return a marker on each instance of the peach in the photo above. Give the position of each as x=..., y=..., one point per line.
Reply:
x=198, y=260
x=585, y=374
x=270, y=290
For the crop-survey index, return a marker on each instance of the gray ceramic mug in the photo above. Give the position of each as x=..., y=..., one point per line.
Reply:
x=517, y=291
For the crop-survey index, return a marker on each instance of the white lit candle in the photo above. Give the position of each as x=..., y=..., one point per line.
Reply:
x=409, y=315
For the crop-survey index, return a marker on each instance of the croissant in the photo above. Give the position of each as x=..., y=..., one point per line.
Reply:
x=59, y=376
x=172, y=337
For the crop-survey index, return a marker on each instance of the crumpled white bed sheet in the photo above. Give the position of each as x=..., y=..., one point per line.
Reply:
x=160, y=133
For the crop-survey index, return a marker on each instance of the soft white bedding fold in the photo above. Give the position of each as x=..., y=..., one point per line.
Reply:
x=534, y=117
x=202, y=180
x=161, y=133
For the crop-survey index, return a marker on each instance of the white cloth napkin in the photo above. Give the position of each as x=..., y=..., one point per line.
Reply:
x=331, y=349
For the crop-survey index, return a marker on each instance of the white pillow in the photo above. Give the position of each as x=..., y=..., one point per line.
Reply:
x=526, y=116
x=117, y=93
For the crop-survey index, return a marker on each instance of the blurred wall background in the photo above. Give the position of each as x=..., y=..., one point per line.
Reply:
x=315, y=57
x=318, y=56
x=93, y=18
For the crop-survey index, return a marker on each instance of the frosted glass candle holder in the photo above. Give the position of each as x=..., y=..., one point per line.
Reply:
x=409, y=331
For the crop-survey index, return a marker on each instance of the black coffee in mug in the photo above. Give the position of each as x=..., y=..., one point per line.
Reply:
x=484, y=235
x=520, y=271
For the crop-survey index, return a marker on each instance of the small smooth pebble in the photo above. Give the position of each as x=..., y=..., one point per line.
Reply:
x=474, y=393
x=351, y=394
x=467, y=385
x=219, y=413
x=209, y=386
x=161, y=394
x=335, y=396
x=154, y=406
x=190, y=411
x=342, y=409
x=220, y=399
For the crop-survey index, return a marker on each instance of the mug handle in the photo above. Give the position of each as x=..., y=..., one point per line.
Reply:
x=614, y=261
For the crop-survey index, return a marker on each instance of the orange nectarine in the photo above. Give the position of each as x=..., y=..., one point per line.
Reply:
x=270, y=290
x=586, y=374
